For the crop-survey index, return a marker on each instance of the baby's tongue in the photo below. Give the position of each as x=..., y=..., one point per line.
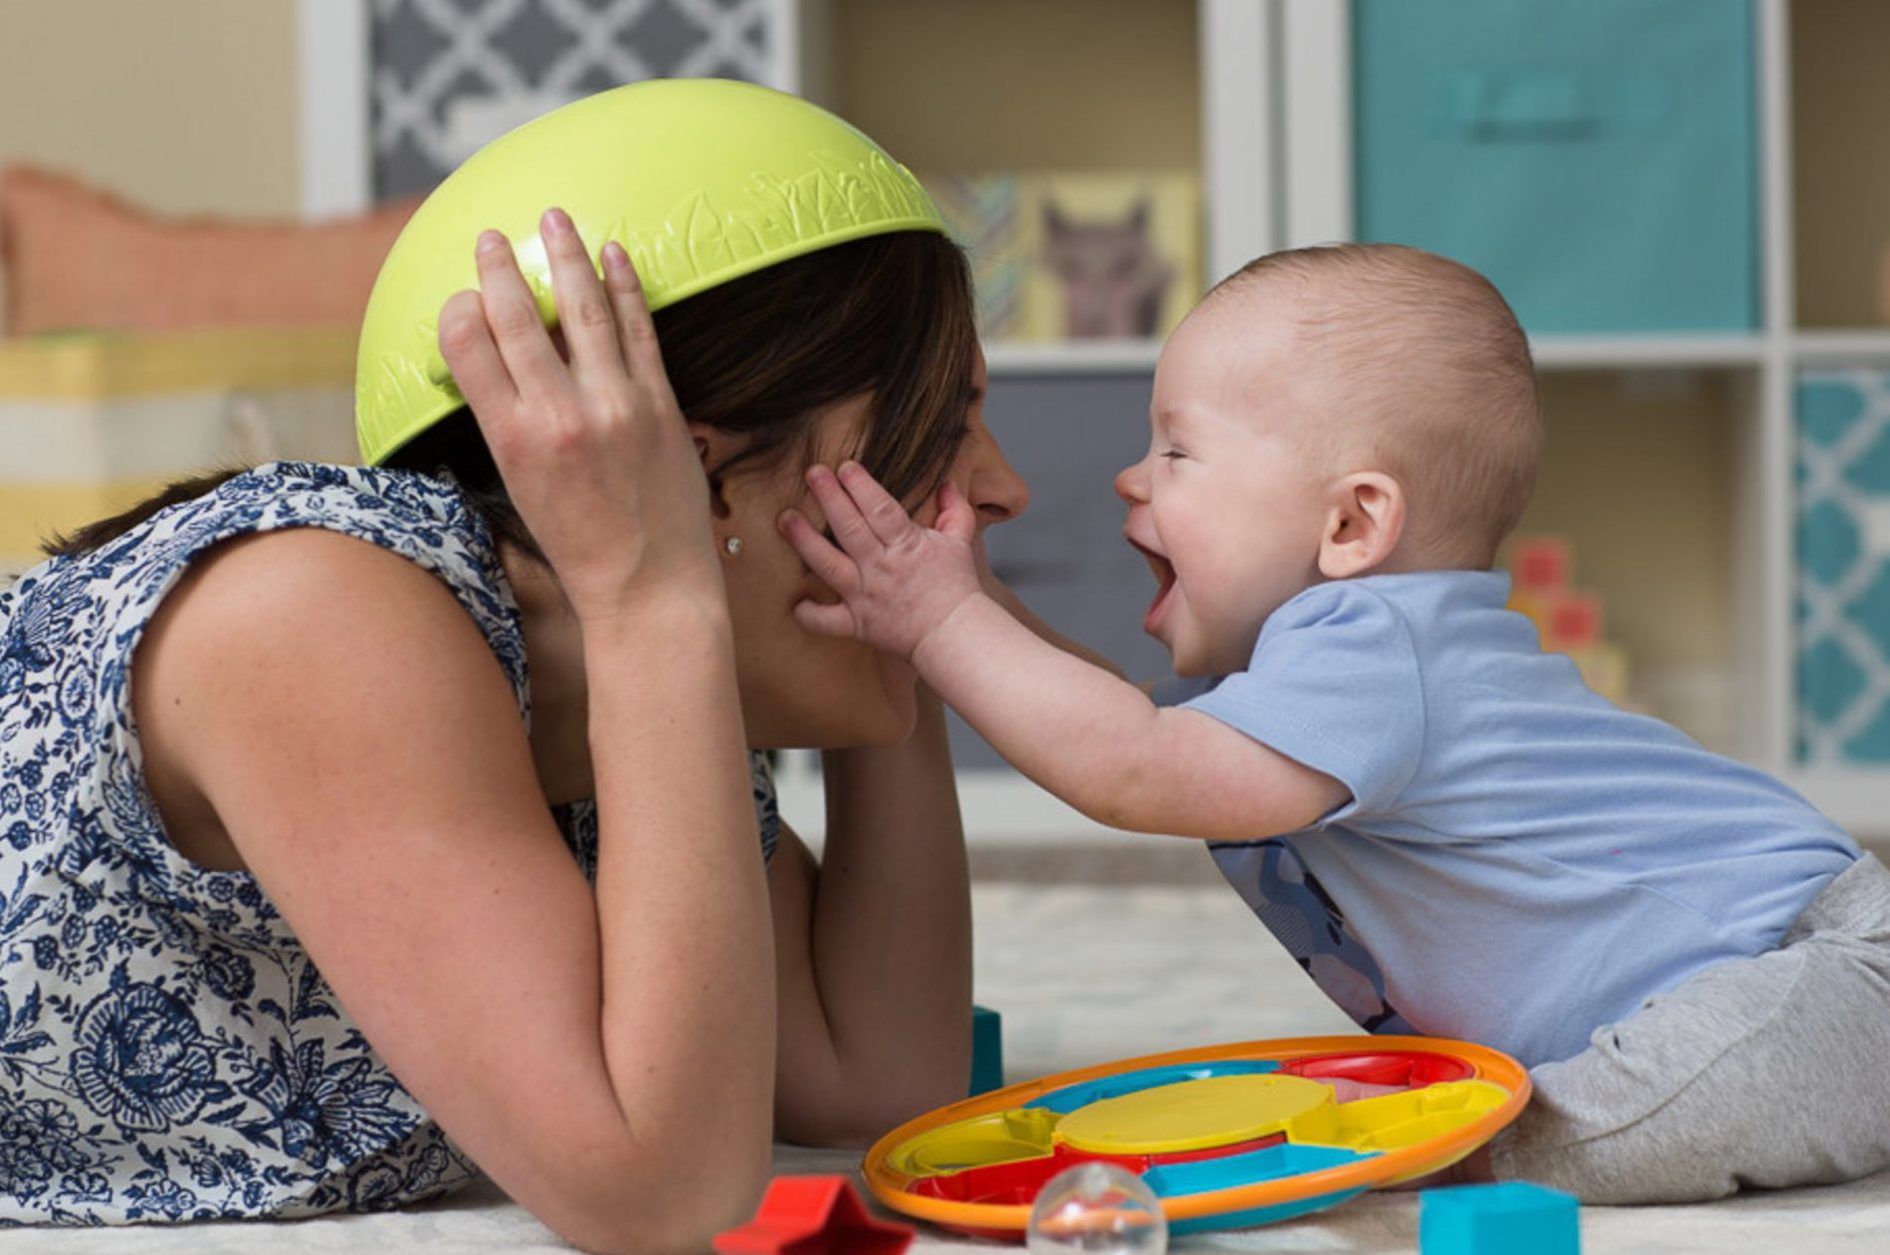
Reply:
x=1159, y=605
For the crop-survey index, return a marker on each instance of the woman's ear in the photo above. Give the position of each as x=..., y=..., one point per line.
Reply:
x=716, y=447
x=1363, y=525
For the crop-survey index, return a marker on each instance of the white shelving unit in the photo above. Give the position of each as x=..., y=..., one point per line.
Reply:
x=1078, y=357
x=1317, y=162
x=1317, y=92
x=1276, y=121
x=1274, y=148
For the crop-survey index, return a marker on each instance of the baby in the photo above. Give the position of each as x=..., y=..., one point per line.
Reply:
x=1445, y=827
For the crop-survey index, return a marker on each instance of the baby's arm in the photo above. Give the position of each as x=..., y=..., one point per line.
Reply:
x=1084, y=734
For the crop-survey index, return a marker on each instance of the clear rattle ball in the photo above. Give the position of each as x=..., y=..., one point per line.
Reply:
x=1097, y=1208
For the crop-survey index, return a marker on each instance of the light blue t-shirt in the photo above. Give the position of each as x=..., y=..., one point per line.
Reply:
x=1521, y=861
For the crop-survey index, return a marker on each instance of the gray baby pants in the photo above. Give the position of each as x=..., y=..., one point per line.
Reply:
x=1769, y=1071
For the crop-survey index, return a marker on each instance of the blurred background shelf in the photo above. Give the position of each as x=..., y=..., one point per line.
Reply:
x=1715, y=234
x=1866, y=345
x=1700, y=470
x=1602, y=352
x=1073, y=357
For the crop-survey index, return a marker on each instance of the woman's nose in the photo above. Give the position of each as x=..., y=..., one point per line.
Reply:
x=992, y=484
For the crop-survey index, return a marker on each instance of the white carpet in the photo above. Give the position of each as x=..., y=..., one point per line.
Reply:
x=1084, y=975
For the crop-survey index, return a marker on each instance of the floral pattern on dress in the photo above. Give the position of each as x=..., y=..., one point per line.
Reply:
x=167, y=1049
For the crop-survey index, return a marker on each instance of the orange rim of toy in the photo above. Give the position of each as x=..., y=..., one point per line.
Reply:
x=1382, y=1168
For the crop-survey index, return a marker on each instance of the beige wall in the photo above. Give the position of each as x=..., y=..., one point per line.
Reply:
x=1638, y=474
x=185, y=105
x=963, y=85
x=1841, y=158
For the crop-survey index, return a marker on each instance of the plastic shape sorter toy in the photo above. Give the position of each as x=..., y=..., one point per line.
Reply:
x=1226, y=1136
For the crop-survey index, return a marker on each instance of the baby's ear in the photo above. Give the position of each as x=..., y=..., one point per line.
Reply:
x=1364, y=523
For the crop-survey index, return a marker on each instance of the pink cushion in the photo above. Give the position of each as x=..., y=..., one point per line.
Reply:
x=80, y=259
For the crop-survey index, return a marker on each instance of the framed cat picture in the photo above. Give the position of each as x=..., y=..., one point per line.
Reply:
x=1112, y=255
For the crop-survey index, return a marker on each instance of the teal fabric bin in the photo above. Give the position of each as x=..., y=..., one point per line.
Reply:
x=1595, y=158
x=1843, y=534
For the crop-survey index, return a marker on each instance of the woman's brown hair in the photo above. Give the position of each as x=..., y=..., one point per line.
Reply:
x=889, y=316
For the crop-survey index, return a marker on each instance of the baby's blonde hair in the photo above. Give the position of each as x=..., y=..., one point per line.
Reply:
x=1429, y=377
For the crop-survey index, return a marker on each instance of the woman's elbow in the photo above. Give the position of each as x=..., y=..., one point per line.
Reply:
x=866, y=1111
x=652, y=1209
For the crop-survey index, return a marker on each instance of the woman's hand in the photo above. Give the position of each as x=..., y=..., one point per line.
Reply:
x=897, y=581
x=594, y=453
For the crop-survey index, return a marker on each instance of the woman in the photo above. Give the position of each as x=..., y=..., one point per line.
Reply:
x=291, y=916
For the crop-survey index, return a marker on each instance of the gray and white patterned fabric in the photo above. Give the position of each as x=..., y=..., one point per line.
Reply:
x=449, y=75
x=1844, y=567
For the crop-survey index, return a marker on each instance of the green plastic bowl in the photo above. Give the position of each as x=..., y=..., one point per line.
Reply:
x=701, y=180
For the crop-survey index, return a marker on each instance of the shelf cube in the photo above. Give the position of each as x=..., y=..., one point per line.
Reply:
x=1597, y=161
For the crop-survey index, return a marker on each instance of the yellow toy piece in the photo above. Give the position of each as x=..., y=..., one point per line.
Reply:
x=1193, y=1115
x=1000, y=1137
x=701, y=180
x=1391, y=1121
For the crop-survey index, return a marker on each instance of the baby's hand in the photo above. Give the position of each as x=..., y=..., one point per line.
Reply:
x=897, y=580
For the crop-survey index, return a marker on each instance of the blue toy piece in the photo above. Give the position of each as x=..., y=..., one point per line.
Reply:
x=1500, y=1219
x=987, y=1051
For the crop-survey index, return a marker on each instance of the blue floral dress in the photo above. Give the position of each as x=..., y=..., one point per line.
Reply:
x=167, y=1049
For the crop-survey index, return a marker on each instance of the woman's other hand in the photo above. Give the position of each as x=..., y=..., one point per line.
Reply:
x=897, y=581
x=594, y=452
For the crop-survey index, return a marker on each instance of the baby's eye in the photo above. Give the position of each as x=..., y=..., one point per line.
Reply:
x=1173, y=454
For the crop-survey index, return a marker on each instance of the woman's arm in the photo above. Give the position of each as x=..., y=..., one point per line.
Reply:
x=873, y=945
x=606, y=1058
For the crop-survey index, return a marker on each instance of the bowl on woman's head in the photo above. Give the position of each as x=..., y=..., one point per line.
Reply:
x=702, y=181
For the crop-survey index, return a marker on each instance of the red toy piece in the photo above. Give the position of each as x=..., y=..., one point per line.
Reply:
x=1540, y=564
x=814, y=1216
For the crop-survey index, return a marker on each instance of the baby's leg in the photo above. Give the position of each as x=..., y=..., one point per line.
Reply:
x=1770, y=1071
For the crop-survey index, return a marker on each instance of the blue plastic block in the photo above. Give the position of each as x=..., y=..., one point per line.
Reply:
x=987, y=1051
x=1502, y=1219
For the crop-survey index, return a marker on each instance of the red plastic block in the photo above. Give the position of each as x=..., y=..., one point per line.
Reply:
x=1540, y=564
x=1574, y=623
x=814, y=1216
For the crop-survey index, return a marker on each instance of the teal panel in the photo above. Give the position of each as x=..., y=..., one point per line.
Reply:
x=1843, y=585
x=1828, y=543
x=1596, y=160
x=1869, y=471
x=1872, y=744
x=1827, y=410
x=1828, y=681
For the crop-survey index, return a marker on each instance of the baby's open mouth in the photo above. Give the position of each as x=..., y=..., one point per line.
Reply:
x=1164, y=580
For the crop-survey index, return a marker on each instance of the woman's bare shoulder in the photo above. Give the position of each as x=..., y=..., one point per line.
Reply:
x=315, y=622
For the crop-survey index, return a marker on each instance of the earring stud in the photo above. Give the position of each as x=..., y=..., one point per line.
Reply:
x=733, y=544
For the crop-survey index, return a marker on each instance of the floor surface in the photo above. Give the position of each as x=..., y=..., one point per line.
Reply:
x=1086, y=974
